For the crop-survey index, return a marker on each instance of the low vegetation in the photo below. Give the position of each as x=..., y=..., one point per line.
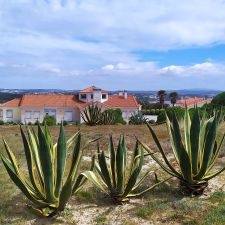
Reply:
x=115, y=177
x=196, y=154
x=48, y=120
x=118, y=174
x=137, y=119
x=93, y=115
x=46, y=164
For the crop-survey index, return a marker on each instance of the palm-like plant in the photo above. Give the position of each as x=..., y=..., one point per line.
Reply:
x=47, y=188
x=173, y=98
x=114, y=177
x=161, y=95
x=195, y=152
x=107, y=118
x=91, y=115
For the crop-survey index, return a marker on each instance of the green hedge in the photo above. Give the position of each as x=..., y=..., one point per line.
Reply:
x=117, y=114
x=179, y=112
x=152, y=111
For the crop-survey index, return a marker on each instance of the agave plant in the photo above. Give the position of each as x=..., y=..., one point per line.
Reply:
x=48, y=188
x=137, y=118
x=107, y=118
x=114, y=177
x=195, y=150
x=91, y=115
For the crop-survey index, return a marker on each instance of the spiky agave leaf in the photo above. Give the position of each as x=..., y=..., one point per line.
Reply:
x=115, y=177
x=91, y=115
x=196, y=153
x=46, y=165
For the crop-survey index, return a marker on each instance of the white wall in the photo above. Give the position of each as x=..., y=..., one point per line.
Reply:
x=97, y=97
x=60, y=112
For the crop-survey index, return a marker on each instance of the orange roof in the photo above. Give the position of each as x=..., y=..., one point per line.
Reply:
x=119, y=101
x=91, y=89
x=41, y=100
x=190, y=101
x=50, y=100
x=12, y=103
x=63, y=100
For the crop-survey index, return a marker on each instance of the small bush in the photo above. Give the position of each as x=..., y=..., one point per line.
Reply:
x=151, y=121
x=65, y=123
x=162, y=114
x=1, y=122
x=36, y=123
x=219, y=100
x=49, y=120
x=137, y=119
x=117, y=113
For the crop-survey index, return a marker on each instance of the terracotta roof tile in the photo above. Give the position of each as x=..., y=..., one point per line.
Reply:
x=190, y=101
x=50, y=100
x=90, y=90
x=119, y=101
x=62, y=100
x=12, y=103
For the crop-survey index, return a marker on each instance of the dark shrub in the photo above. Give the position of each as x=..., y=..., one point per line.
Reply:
x=1, y=122
x=117, y=114
x=65, y=123
x=219, y=100
x=36, y=122
x=151, y=121
x=162, y=115
x=49, y=120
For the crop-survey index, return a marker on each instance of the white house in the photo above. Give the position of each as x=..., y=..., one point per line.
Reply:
x=33, y=107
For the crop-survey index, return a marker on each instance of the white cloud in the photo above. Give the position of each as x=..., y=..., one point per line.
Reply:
x=151, y=69
x=98, y=38
x=108, y=67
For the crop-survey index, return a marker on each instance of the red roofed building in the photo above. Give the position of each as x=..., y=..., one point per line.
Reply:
x=33, y=107
x=191, y=102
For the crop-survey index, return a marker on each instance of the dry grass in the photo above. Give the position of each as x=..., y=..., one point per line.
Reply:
x=164, y=205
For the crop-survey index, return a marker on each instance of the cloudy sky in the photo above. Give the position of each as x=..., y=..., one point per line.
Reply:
x=114, y=44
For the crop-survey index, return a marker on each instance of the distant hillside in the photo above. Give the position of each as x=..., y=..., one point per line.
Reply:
x=4, y=97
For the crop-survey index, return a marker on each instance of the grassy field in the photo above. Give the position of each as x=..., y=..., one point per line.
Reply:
x=164, y=205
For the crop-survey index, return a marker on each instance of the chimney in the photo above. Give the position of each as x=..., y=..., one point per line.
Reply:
x=123, y=94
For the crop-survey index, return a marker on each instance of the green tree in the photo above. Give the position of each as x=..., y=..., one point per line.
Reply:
x=173, y=98
x=219, y=100
x=162, y=94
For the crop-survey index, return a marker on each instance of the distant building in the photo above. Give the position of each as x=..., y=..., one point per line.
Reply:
x=68, y=107
x=191, y=102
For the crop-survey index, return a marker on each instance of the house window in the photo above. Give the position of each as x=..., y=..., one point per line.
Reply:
x=83, y=96
x=91, y=96
x=50, y=112
x=36, y=115
x=9, y=113
x=1, y=113
x=28, y=114
x=124, y=114
x=68, y=116
x=103, y=96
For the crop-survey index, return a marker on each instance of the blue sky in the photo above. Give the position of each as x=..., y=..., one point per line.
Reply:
x=114, y=44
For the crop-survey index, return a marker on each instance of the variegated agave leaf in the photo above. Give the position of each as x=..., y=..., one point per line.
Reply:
x=195, y=149
x=115, y=177
x=46, y=165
